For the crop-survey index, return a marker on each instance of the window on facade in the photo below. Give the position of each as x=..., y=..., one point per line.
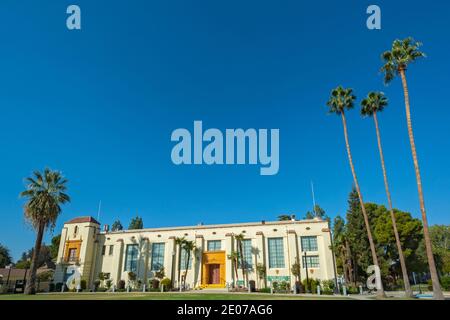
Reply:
x=111, y=250
x=247, y=253
x=309, y=243
x=103, y=250
x=276, y=252
x=214, y=245
x=72, y=254
x=131, y=257
x=183, y=258
x=75, y=231
x=313, y=261
x=157, y=256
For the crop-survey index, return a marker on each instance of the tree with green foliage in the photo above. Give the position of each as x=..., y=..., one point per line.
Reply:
x=396, y=61
x=317, y=212
x=440, y=240
x=342, y=99
x=341, y=249
x=45, y=193
x=370, y=107
x=239, y=238
x=44, y=258
x=136, y=223
x=409, y=234
x=189, y=247
x=54, y=246
x=117, y=226
x=5, y=256
x=234, y=257
x=284, y=217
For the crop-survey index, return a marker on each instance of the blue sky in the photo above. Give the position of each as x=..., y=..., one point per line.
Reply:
x=100, y=105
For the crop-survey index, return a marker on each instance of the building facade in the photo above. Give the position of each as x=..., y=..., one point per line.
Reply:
x=275, y=245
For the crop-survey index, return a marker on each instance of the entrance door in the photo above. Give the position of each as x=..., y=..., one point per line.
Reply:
x=214, y=274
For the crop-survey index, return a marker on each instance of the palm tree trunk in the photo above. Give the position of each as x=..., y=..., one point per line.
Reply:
x=408, y=291
x=179, y=264
x=244, y=276
x=186, y=267
x=363, y=208
x=30, y=285
x=437, y=292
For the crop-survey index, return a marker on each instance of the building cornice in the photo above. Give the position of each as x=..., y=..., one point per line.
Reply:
x=221, y=226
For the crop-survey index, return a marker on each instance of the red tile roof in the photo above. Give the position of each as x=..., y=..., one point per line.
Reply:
x=82, y=220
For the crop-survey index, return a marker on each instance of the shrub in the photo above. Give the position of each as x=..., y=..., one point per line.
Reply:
x=353, y=290
x=121, y=285
x=51, y=287
x=311, y=285
x=83, y=284
x=154, y=283
x=96, y=284
x=264, y=290
x=445, y=283
x=167, y=283
x=108, y=283
x=131, y=276
x=58, y=287
x=328, y=287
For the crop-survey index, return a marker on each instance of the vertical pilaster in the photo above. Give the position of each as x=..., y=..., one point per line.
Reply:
x=117, y=261
x=197, y=265
x=260, y=257
x=172, y=250
x=293, y=253
x=230, y=276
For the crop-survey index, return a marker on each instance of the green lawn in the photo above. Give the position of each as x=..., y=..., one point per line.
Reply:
x=161, y=296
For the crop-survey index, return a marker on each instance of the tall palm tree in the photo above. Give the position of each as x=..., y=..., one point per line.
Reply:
x=45, y=192
x=239, y=239
x=370, y=106
x=396, y=61
x=189, y=247
x=340, y=100
x=179, y=243
x=234, y=256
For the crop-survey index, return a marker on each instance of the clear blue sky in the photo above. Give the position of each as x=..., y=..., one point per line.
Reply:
x=100, y=104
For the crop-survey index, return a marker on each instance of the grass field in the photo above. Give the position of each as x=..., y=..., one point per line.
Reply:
x=162, y=296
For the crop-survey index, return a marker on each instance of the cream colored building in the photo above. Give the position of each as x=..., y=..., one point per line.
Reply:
x=276, y=245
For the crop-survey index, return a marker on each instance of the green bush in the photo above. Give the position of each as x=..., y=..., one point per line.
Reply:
x=353, y=290
x=108, y=283
x=167, y=283
x=311, y=285
x=264, y=290
x=328, y=286
x=154, y=283
x=445, y=283
x=83, y=284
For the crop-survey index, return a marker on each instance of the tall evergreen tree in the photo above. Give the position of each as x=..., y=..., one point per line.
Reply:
x=136, y=223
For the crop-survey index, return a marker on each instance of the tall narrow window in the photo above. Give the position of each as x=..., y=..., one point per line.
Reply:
x=131, y=257
x=309, y=243
x=276, y=252
x=103, y=250
x=247, y=253
x=157, y=256
x=183, y=259
x=111, y=250
x=214, y=245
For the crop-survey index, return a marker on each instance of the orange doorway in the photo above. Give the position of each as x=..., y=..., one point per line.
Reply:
x=214, y=274
x=213, y=269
